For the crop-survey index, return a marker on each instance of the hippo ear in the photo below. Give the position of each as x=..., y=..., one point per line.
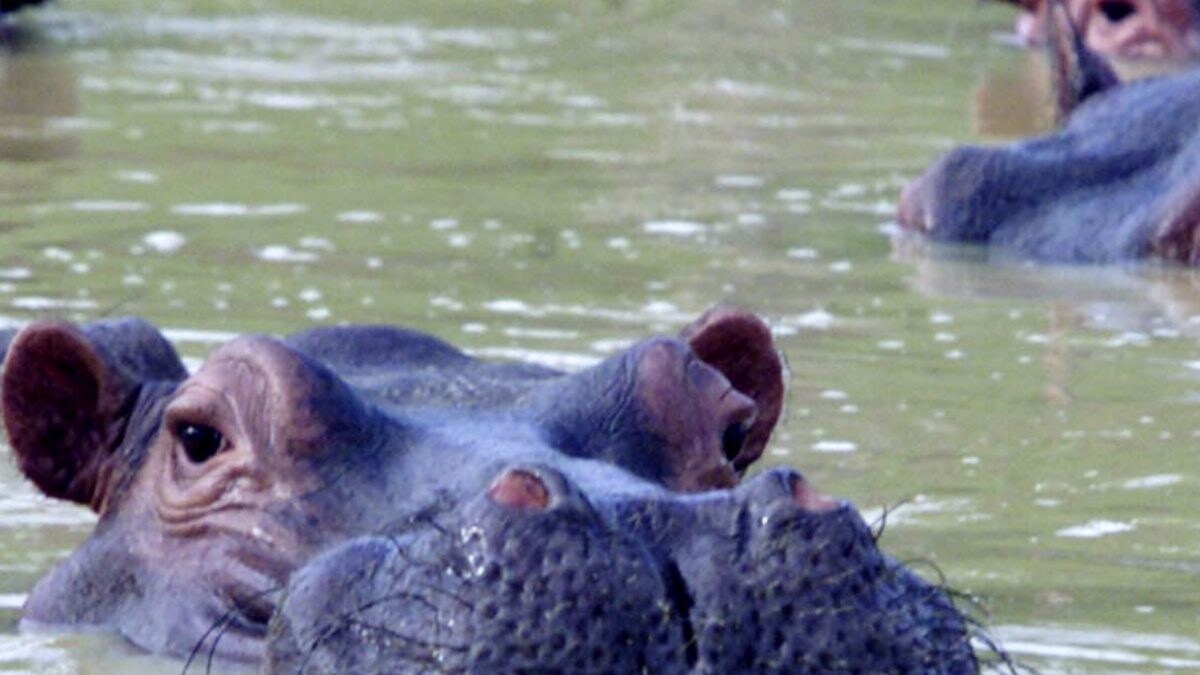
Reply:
x=739, y=344
x=1079, y=73
x=65, y=402
x=690, y=413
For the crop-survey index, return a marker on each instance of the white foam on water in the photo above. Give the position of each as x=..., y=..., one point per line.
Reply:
x=109, y=206
x=1098, y=645
x=675, y=228
x=1094, y=529
x=233, y=210
x=1152, y=482
x=738, y=180
x=42, y=304
x=834, y=446
x=164, y=241
x=284, y=254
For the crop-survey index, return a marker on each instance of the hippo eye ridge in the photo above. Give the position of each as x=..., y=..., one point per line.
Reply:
x=200, y=442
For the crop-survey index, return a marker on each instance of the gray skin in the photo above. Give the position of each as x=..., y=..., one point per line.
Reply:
x=213, y=490
x=1119, y=181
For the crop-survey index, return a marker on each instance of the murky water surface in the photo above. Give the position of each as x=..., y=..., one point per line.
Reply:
x=550, y=180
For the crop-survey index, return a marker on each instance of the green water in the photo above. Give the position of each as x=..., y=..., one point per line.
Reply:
x=550, y=180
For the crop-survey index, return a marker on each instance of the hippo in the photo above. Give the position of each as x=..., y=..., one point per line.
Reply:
x=1119, y=181
x=11, y=6
x=372, y=499
x=1154, y=29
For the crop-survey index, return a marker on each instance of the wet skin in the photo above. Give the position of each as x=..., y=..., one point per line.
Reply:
x=258, y=507
x=1155, y=29
x=767, y=578
x=1119, y=181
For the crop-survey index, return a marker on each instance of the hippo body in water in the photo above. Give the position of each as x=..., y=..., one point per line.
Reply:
x=371, y=499
x=1119, y=181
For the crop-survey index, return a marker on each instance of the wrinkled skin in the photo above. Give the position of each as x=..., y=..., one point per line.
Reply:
x=1154, y=29
x=356, y=464
x=1119, y=181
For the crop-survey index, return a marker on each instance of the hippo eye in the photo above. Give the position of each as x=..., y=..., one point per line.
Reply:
x=200, y=442
x=733, y=439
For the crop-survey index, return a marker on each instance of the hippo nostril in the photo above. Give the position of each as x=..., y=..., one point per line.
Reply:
x=1116, y=11
x=808, y=498
x=519, y=489
x=734, y=439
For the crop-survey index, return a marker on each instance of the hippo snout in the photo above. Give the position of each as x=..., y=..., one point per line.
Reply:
x=770, y=577
x=525, y=578
x=912, y=213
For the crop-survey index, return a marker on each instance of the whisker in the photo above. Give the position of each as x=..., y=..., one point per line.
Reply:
x=219, y=627
x=880, y=525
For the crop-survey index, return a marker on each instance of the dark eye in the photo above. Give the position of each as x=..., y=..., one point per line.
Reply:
x=201, y=442
x=733, y=439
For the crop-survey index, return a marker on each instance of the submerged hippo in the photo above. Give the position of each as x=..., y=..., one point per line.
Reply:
x=1129, y=28
x=371, y=499
x=9, y=6
x=1119, y=181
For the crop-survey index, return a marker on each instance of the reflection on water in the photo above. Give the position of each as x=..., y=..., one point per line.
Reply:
x=548, y=181
x=38, y=99
x=1099, y=648
x=38, y=107
x=1016, y=100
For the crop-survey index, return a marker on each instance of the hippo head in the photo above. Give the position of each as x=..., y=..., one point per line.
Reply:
x=213, y=488
x=1128, y=28
x=531, y=575
x=1119, y=181
x=210, y=489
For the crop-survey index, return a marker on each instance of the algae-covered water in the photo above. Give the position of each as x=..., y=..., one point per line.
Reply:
x=551, y=180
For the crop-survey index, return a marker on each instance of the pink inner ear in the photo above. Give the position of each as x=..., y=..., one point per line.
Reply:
x=58, y=402
x=739, y=344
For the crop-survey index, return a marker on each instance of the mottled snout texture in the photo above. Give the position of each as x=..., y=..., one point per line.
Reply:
x=1120, y=181
x=749, y=581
